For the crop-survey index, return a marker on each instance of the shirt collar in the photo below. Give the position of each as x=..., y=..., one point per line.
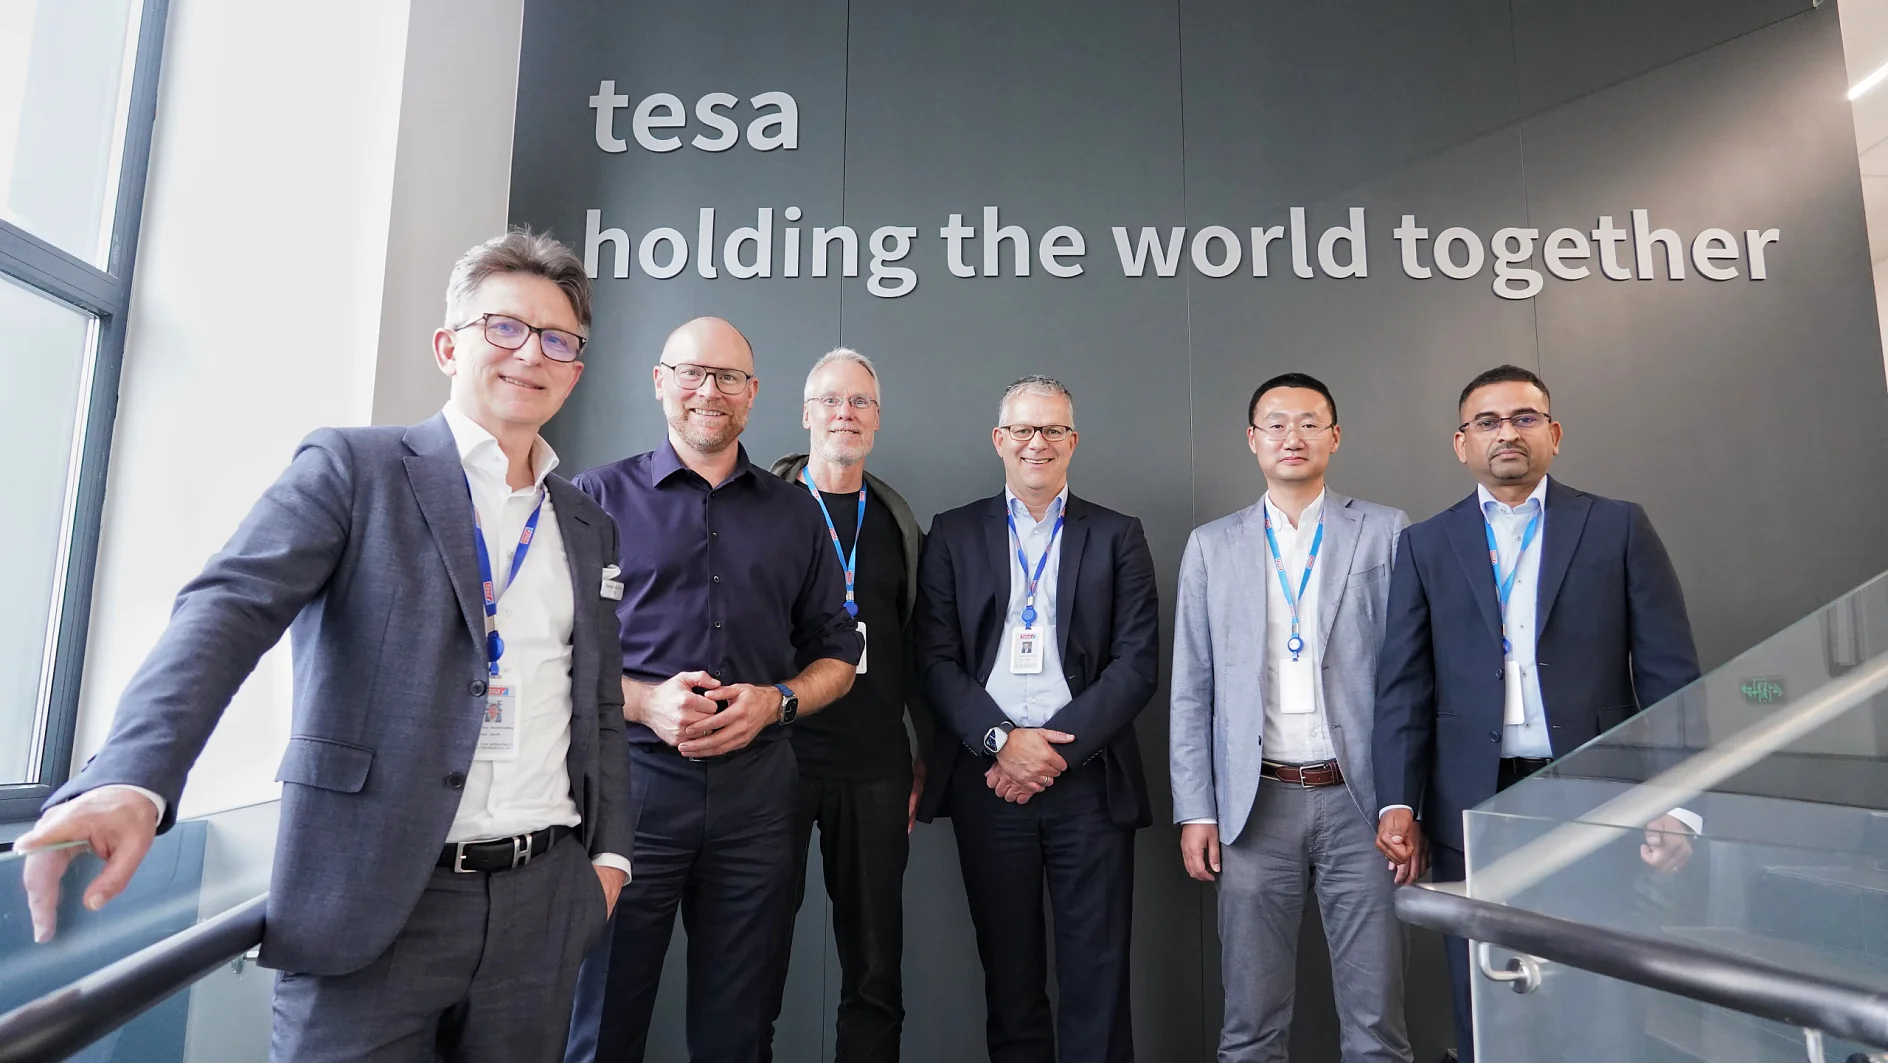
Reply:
x=1486, y=499
x=1015, y=505
x=1306, y=519
x=667, y=463
x=478, y=449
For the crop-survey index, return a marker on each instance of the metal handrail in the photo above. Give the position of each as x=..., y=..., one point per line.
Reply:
x=64, y=1021
x=1850, y=1010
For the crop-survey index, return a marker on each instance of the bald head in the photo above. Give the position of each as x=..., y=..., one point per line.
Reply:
x=709, y=341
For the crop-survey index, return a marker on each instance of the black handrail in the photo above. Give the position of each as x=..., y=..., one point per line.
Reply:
x=1848, y=1010
x=64, y=1021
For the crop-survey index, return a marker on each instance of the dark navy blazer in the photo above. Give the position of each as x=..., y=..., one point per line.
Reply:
x=1613, y=638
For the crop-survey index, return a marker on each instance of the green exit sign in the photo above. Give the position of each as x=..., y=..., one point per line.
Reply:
x=1765, y=691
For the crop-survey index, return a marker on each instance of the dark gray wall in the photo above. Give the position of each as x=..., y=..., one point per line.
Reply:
x=1732, y=410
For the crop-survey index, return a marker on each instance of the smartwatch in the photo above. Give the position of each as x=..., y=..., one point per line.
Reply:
x=995, y=738
x=789, y=703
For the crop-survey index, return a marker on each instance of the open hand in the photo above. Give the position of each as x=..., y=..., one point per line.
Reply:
x=117, y=823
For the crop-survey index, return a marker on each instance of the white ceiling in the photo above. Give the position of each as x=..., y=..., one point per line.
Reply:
x=1865, y=45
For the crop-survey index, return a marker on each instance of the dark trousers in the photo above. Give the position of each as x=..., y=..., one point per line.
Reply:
x=863, y=847
x=713, y=838
x=482, y=962
x=1451, y=865
x=1065, y=837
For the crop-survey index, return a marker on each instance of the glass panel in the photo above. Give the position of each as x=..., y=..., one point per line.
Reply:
x=1778, y=755
x=47, y=361
x=65, y=87
x=199, y=869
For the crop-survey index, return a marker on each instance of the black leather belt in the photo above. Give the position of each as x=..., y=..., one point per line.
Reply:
x=500, y=854
x=1525, y=766
x=1326, y=773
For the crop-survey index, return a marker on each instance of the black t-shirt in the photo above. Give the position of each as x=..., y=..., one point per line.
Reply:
x=862, y=735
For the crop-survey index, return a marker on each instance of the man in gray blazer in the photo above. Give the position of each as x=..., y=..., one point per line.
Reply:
x=452, y=832
x=1274, y=672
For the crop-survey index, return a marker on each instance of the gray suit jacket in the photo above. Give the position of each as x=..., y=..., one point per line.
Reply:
x=1218, y=713
x=363, y=549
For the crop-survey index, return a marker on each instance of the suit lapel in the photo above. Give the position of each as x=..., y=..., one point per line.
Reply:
x=997, y=537
x=438, y=481
x=1565, y=520
x=1466, y=533
x=1253, y=545
x=1342, y=533
x=1069, y=570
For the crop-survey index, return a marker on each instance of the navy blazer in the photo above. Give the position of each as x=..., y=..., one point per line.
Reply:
x=1107, y=626
x=1613, y=638
x=363, y=550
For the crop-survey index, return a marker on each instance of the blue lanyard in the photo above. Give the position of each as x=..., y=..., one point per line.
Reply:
x=1504, y=586
x=1295, y=644
x=851, y=564
x=495, y=646
x=1029, y=599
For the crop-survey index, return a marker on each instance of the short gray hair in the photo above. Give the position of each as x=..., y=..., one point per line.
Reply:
x=844, y=354
x=518, y=251
x=1036, y=384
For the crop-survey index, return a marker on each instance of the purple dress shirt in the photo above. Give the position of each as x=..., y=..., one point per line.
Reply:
x=736, y=579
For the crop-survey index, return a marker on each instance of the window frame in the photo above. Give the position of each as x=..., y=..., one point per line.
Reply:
x=105, y=294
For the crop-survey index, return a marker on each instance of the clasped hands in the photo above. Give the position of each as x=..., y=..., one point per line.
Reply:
x=721, y=719
x=1028, y=764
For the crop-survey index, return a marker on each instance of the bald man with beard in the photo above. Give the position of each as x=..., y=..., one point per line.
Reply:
x=734, y=625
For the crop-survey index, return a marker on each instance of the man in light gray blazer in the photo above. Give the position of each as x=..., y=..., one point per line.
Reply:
x=1276, y=637
x=452, y=833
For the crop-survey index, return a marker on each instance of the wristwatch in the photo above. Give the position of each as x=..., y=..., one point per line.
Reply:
x=995, y=738
x=789, y=703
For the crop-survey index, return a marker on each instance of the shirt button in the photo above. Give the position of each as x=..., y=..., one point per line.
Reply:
x=714, y=535
x=477, y=688
x=716, y=579
x=717, y=625
x=717, y=673
x=455, y=781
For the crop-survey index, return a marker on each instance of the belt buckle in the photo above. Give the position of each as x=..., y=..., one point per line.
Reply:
x=1304, y=775
x=458, y=859
x=520, y=850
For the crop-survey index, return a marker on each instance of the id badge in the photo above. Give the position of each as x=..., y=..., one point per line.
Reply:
x=1295, y=692
x=498, y=732
x=864, y=644
x=1026, y=652
x=1513, y=709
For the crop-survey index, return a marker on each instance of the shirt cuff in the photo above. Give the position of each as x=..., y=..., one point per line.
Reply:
x=161, y=804
x=1688, y=818
x=1386, y=808
x=1192, y=822
x=612, y=860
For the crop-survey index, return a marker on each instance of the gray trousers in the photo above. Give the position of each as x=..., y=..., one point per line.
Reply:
x=1298, y=837
x=483, y=971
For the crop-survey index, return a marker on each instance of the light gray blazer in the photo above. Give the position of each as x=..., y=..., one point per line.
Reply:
x=1218, y=711
x=363, y=550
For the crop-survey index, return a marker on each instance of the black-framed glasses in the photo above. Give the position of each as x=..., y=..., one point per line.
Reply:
x=1524, y=421
x=509, y=333
x=1023, y=433
x=861, y=403
x=690, y=376
x=1277, y=431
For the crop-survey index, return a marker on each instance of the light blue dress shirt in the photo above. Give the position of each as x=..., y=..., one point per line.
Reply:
x=1029, y=700
x=1528, y=739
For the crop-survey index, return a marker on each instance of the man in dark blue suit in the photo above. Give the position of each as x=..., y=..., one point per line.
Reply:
x=1523, y=621
x=1036, y=638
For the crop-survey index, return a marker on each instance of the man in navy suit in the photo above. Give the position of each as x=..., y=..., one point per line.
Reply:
x=1036, y=636
x=1523, y=621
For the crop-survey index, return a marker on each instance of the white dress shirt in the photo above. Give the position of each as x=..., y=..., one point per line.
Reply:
x=1029, y=700
x=1302, y=736
x=535, y=618
x=1529, y=738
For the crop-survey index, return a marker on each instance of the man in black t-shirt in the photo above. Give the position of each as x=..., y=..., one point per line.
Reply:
x=859, y=779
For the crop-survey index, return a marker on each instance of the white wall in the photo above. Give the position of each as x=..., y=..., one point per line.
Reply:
x=298, y=214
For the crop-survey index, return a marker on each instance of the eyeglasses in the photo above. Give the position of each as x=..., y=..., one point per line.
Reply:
x=1522, y=422
x=509, y=333
x=1278, y=431
x=833, y=402
x=1023, y=433
x=690, y=376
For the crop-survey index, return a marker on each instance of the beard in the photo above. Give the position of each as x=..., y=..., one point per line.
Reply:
x=706, y=438
x=843, y=449
x=1510, y=472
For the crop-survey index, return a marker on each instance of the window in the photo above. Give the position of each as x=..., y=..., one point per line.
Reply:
x=78, y=96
